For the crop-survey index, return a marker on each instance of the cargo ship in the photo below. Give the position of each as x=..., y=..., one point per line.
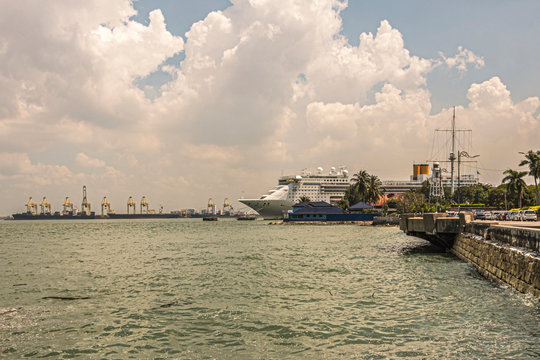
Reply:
x=142, y=216
x=71, y=213
x=56, y=216
x=68, y=213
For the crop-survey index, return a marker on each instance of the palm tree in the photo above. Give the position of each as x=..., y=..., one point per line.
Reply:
x=532, y=159
x=373, y=189
x=351, y=197
x=515, y=181
x=360, y=184
x=304, y=199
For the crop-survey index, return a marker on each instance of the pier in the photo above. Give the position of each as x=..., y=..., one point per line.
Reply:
x=506, y=254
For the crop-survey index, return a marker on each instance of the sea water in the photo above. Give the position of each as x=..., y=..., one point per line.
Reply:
x=190, y=289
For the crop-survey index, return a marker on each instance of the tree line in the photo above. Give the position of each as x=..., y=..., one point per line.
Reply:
x=513, y=192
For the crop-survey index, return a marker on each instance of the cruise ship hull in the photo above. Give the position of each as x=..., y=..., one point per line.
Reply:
x=269, y=208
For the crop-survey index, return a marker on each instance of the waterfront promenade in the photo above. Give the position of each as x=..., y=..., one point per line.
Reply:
x=526, y=224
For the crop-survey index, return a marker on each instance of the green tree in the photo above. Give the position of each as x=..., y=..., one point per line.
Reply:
x=529, y=197
x=360, y=186
x=413, y=202
x=352, y=196
x=425, y=188
x=474, y=194
x=532, y=159
x=304, y=199
x=373, y=192
x=344, y=204
x=497, y=196
x=516, y=184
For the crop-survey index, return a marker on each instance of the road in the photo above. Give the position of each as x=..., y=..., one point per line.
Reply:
x=528, y=224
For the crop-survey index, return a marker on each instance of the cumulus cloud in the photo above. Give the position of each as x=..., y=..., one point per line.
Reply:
x=395, y=122
x=496, y=115
x=88, y=161
x=67, y=62
x=19, y=168
x=462, y=59
x=264, y=86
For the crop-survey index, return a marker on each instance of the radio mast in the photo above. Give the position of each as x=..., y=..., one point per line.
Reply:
x=452, y=157
x=459, y=142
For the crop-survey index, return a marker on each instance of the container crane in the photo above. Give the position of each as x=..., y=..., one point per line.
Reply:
x=105, y=204
x=211, y=207
x=31, y=206
x=144, y=205
x=85, y=205
x=227, y=206
x=68, y=206
x=45, y=206
x=131, y=203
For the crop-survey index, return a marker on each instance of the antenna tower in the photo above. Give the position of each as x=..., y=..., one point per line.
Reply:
x=454, y=141
x=436, y=190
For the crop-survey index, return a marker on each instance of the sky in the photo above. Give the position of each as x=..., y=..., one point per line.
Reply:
x=181, y=101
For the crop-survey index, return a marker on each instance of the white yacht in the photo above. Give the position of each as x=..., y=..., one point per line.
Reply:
x=328, y=187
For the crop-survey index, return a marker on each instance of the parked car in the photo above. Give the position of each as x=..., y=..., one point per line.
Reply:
x=529, y=215
x=483, y=215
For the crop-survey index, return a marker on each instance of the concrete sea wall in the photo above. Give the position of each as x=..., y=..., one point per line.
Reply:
x=506, y=265
x=522, y=237
x=386, y=221
x=509, y=255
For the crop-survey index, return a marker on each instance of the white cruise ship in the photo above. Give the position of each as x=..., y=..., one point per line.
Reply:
x=329, y=187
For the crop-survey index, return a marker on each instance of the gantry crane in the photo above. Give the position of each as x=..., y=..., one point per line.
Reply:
x=131, y=203
x=211, y=208
x=31, y=206
x=45, y=206
x=68, y=206
x=85, y=205
x=227, y=206
x=105, y=204
x=144, y=205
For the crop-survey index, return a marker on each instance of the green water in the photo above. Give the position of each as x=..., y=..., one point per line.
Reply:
x=247, y=290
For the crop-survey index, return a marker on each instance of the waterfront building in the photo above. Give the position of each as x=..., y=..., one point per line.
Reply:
x=421, y=173
x=320, y=211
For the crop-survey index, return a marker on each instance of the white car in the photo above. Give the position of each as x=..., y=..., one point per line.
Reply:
x=529, y=215
x=483, y=215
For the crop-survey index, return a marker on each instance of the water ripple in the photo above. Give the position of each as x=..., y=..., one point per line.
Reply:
x=232, y=290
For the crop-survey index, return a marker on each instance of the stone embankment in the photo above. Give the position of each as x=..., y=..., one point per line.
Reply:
x=509, y=255
x=386, y=221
